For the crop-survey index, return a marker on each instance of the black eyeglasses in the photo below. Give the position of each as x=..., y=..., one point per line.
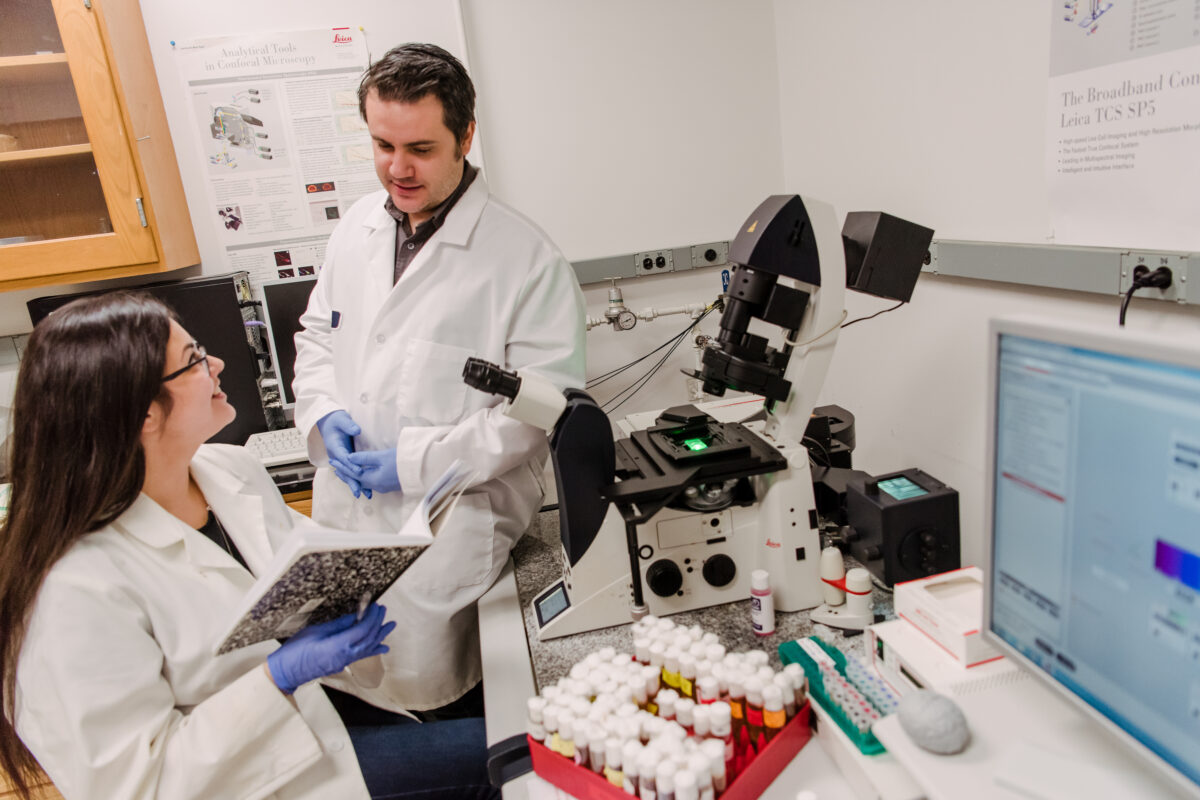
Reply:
x=199, y=356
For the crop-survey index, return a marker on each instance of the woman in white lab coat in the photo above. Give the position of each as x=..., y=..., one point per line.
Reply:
x=127, y=546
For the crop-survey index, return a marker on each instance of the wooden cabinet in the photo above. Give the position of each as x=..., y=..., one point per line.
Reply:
x=89, y=186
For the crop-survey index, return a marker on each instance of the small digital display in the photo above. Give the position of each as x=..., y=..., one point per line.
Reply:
x=551, y=604
x=901, y=488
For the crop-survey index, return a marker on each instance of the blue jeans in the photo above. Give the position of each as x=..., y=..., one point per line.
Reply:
x=401, y=758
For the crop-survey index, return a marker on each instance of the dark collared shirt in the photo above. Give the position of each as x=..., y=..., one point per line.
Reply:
x=410, y=242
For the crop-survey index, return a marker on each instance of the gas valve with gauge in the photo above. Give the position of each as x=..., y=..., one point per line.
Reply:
x=693, y=499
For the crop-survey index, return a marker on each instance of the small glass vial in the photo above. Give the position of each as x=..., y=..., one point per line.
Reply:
x=708, y=690
x=714, y=749
x=665, y=700
x=799, y=683
x=699, y=766
x=671, y=668
x=566, y=736
x=612, y=762
x=722, y=731
x=701, y=722
x=684, y=708
x=596, y=748
x=630, y=753
x=685, y=785
x=687, y=675
x=550, y=722
x=664, y=780
x=784, y=684
x=754, y=713
x=648, y=762
x=582, y=743
x=774, y=715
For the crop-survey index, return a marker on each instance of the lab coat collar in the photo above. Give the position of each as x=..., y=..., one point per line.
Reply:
x=457, y=228
x=238, y=510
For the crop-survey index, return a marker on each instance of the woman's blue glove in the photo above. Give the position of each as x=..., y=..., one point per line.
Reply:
x=377, y=470
x=338, y=429
x=328, y=648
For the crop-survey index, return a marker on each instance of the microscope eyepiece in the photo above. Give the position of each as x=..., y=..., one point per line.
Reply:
x=487, y=377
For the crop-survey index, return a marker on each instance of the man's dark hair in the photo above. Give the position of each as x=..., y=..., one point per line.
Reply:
x=408, y=72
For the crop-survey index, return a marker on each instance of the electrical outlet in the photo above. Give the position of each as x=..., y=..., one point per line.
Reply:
x=653, y=262
x=1177, y=291
x=712, y=254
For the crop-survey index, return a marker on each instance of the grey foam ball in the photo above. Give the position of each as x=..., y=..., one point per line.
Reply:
x=934, y=722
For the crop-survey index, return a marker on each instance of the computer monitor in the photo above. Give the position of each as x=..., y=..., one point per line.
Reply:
x=210, y=309
x=1092, y=549
x=283, y=303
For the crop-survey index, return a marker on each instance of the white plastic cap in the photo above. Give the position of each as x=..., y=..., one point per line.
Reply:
x=858, y=580
x=720, y=718
x=536, y=706
x=760, y=580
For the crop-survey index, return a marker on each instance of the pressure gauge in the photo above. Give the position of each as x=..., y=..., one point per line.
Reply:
x=625, y=320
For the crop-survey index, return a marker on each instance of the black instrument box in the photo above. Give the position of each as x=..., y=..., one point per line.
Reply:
x=905, y=525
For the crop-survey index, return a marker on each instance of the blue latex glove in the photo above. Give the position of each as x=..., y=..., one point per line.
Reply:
x=338, y=430
x=328, y=648
x=377, y=470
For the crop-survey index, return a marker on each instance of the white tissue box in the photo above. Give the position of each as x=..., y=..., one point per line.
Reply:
x=948, y=608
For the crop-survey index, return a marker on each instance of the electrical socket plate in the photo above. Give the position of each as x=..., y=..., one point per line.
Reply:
x=719, y=254
x=1178, y=265
x=660, y=261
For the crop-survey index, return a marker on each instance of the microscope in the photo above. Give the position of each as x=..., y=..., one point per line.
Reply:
x=678, y=514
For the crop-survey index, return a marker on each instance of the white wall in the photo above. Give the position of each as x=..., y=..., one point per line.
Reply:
x=933, y=111
x=625, y=126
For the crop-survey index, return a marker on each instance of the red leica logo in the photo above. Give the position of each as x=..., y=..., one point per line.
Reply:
x=342, y=38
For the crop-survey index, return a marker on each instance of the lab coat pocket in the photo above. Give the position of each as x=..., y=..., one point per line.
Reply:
x=431, y=388
x=462, y=552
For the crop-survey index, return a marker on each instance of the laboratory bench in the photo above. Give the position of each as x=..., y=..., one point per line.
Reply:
x=516, y=665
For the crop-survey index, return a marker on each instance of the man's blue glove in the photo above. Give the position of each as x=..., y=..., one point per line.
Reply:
x=338, y=430
x=377, y=470
x=328, y=648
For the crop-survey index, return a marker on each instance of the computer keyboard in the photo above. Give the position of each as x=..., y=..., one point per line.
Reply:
x=284, y=446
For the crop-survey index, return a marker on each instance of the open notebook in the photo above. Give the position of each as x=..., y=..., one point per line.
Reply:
x=323, y=573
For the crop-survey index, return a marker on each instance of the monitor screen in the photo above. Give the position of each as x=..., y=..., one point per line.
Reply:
x=1094, y=527
x=209, y=307
x=283, y=303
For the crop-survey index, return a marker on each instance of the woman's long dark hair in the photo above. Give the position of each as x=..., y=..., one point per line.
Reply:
x=86, y=382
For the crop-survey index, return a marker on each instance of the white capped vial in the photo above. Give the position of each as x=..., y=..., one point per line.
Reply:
x=630, y=754
x=701, y=721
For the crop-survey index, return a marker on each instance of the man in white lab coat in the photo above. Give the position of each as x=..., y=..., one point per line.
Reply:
x=417, y=278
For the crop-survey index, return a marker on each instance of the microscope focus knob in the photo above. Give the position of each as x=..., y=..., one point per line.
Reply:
x=664, y=577
x=719, y=570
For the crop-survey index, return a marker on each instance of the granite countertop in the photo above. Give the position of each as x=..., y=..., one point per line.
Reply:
x=537, y=561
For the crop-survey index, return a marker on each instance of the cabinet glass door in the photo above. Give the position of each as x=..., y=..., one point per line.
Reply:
x=59, y=120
